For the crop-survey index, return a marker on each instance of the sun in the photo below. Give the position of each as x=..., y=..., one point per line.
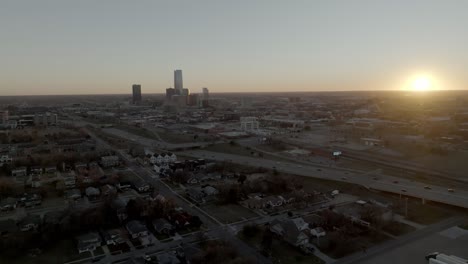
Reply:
x=421, y=83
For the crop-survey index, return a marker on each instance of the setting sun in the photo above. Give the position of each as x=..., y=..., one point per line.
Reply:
x=421, y=83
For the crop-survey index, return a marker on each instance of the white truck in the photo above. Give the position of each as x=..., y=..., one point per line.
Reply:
x=439, y=258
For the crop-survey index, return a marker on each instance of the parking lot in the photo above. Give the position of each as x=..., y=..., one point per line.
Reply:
x=451, y=241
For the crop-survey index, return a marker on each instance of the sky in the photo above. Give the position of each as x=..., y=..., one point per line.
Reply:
x=105, y=46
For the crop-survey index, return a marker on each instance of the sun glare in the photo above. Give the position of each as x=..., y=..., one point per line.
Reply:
x=421, y=83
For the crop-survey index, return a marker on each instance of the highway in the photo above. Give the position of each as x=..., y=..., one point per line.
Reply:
x=372, y=180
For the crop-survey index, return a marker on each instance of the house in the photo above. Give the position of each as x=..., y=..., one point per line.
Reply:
x=258, y=202
x=124, y=185
x=73, y=194
x=141, y=186
x=29, y=223
x=92, y=193
x=273, y=201
x=136, y=229
x=20, y=172
x=50, y=169
x=81, y=166
x=8, y=204
x=29, y=200
x=318, y=232
x=88, y=242
x=108, y=190
x=110, y=161
x=162, y=226
x=36, y=170
x=168, y=258
x=5, y=159
x=356, y=212
x=210, y=190
x=69, y=179
x=113, y=236
x=195, y=194
x=288, y=230
x=119, y=205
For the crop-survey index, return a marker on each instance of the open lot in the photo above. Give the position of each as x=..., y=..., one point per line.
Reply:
x=415, y=251
x=229, y=213
x=63, y=251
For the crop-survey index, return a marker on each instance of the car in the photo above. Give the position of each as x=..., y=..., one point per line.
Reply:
x=344, y=178
x=403, y=190
x=451, y=190
x=299, y=166
x=395, y=181
x=427, y=187
x=375, y=178
x=319, y=169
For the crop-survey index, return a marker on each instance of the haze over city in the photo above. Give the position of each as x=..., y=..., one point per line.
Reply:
x=102, y=47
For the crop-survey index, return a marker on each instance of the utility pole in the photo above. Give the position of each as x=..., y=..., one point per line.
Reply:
x=406, y=207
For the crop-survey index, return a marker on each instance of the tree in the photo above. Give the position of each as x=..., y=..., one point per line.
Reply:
x=242, y=179
x=250, y=230
x=6, y=187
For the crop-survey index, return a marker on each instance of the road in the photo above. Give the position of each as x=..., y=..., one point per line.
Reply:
x=372, y=180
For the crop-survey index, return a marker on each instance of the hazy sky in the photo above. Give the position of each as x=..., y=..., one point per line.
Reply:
x=104, y=46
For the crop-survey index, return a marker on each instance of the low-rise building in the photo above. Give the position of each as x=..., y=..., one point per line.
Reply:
x=110, y=161
x=88, y=242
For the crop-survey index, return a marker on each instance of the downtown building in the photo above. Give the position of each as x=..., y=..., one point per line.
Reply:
x=136, y=89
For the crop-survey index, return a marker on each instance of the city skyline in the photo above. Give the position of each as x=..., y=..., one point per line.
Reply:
x=55, y=47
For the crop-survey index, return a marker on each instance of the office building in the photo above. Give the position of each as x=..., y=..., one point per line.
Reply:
x=192, y=99
x=185, y=92
x=169, y=93
x=136, y=94
x=206, y=93
x=178, y=84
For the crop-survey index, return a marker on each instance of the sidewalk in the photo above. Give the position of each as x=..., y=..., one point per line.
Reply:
x=401, y=219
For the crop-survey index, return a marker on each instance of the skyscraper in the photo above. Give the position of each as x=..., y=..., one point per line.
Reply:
x=136, y=93
x=206, y=93
x=178, y=84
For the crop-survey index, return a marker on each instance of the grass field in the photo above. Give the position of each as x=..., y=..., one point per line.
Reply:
x=62, y=252
x=228, y=213
x=398, y=229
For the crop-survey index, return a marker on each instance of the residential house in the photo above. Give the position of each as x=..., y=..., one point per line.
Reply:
x=195, y=194
x=119, y=205
x=136, y=229
x=162, y=226
x=69, y=179
x=168, y=258
x=5, y=160
x=30, y=223
x=113, y=236
x=31, y=199
x=110, y=161
x=141, y=186
x=73, y=194
x=108, y=189
x=290, y=232
x=8, y=204
x=318, y=232
x=19, y=174
x=36, y=170
x=88, y=242
x=51, y=170
x=92, y=193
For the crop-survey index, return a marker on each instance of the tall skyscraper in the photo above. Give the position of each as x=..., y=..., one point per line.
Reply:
x=178, y=84
x=136, y=93
x=206, y=93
